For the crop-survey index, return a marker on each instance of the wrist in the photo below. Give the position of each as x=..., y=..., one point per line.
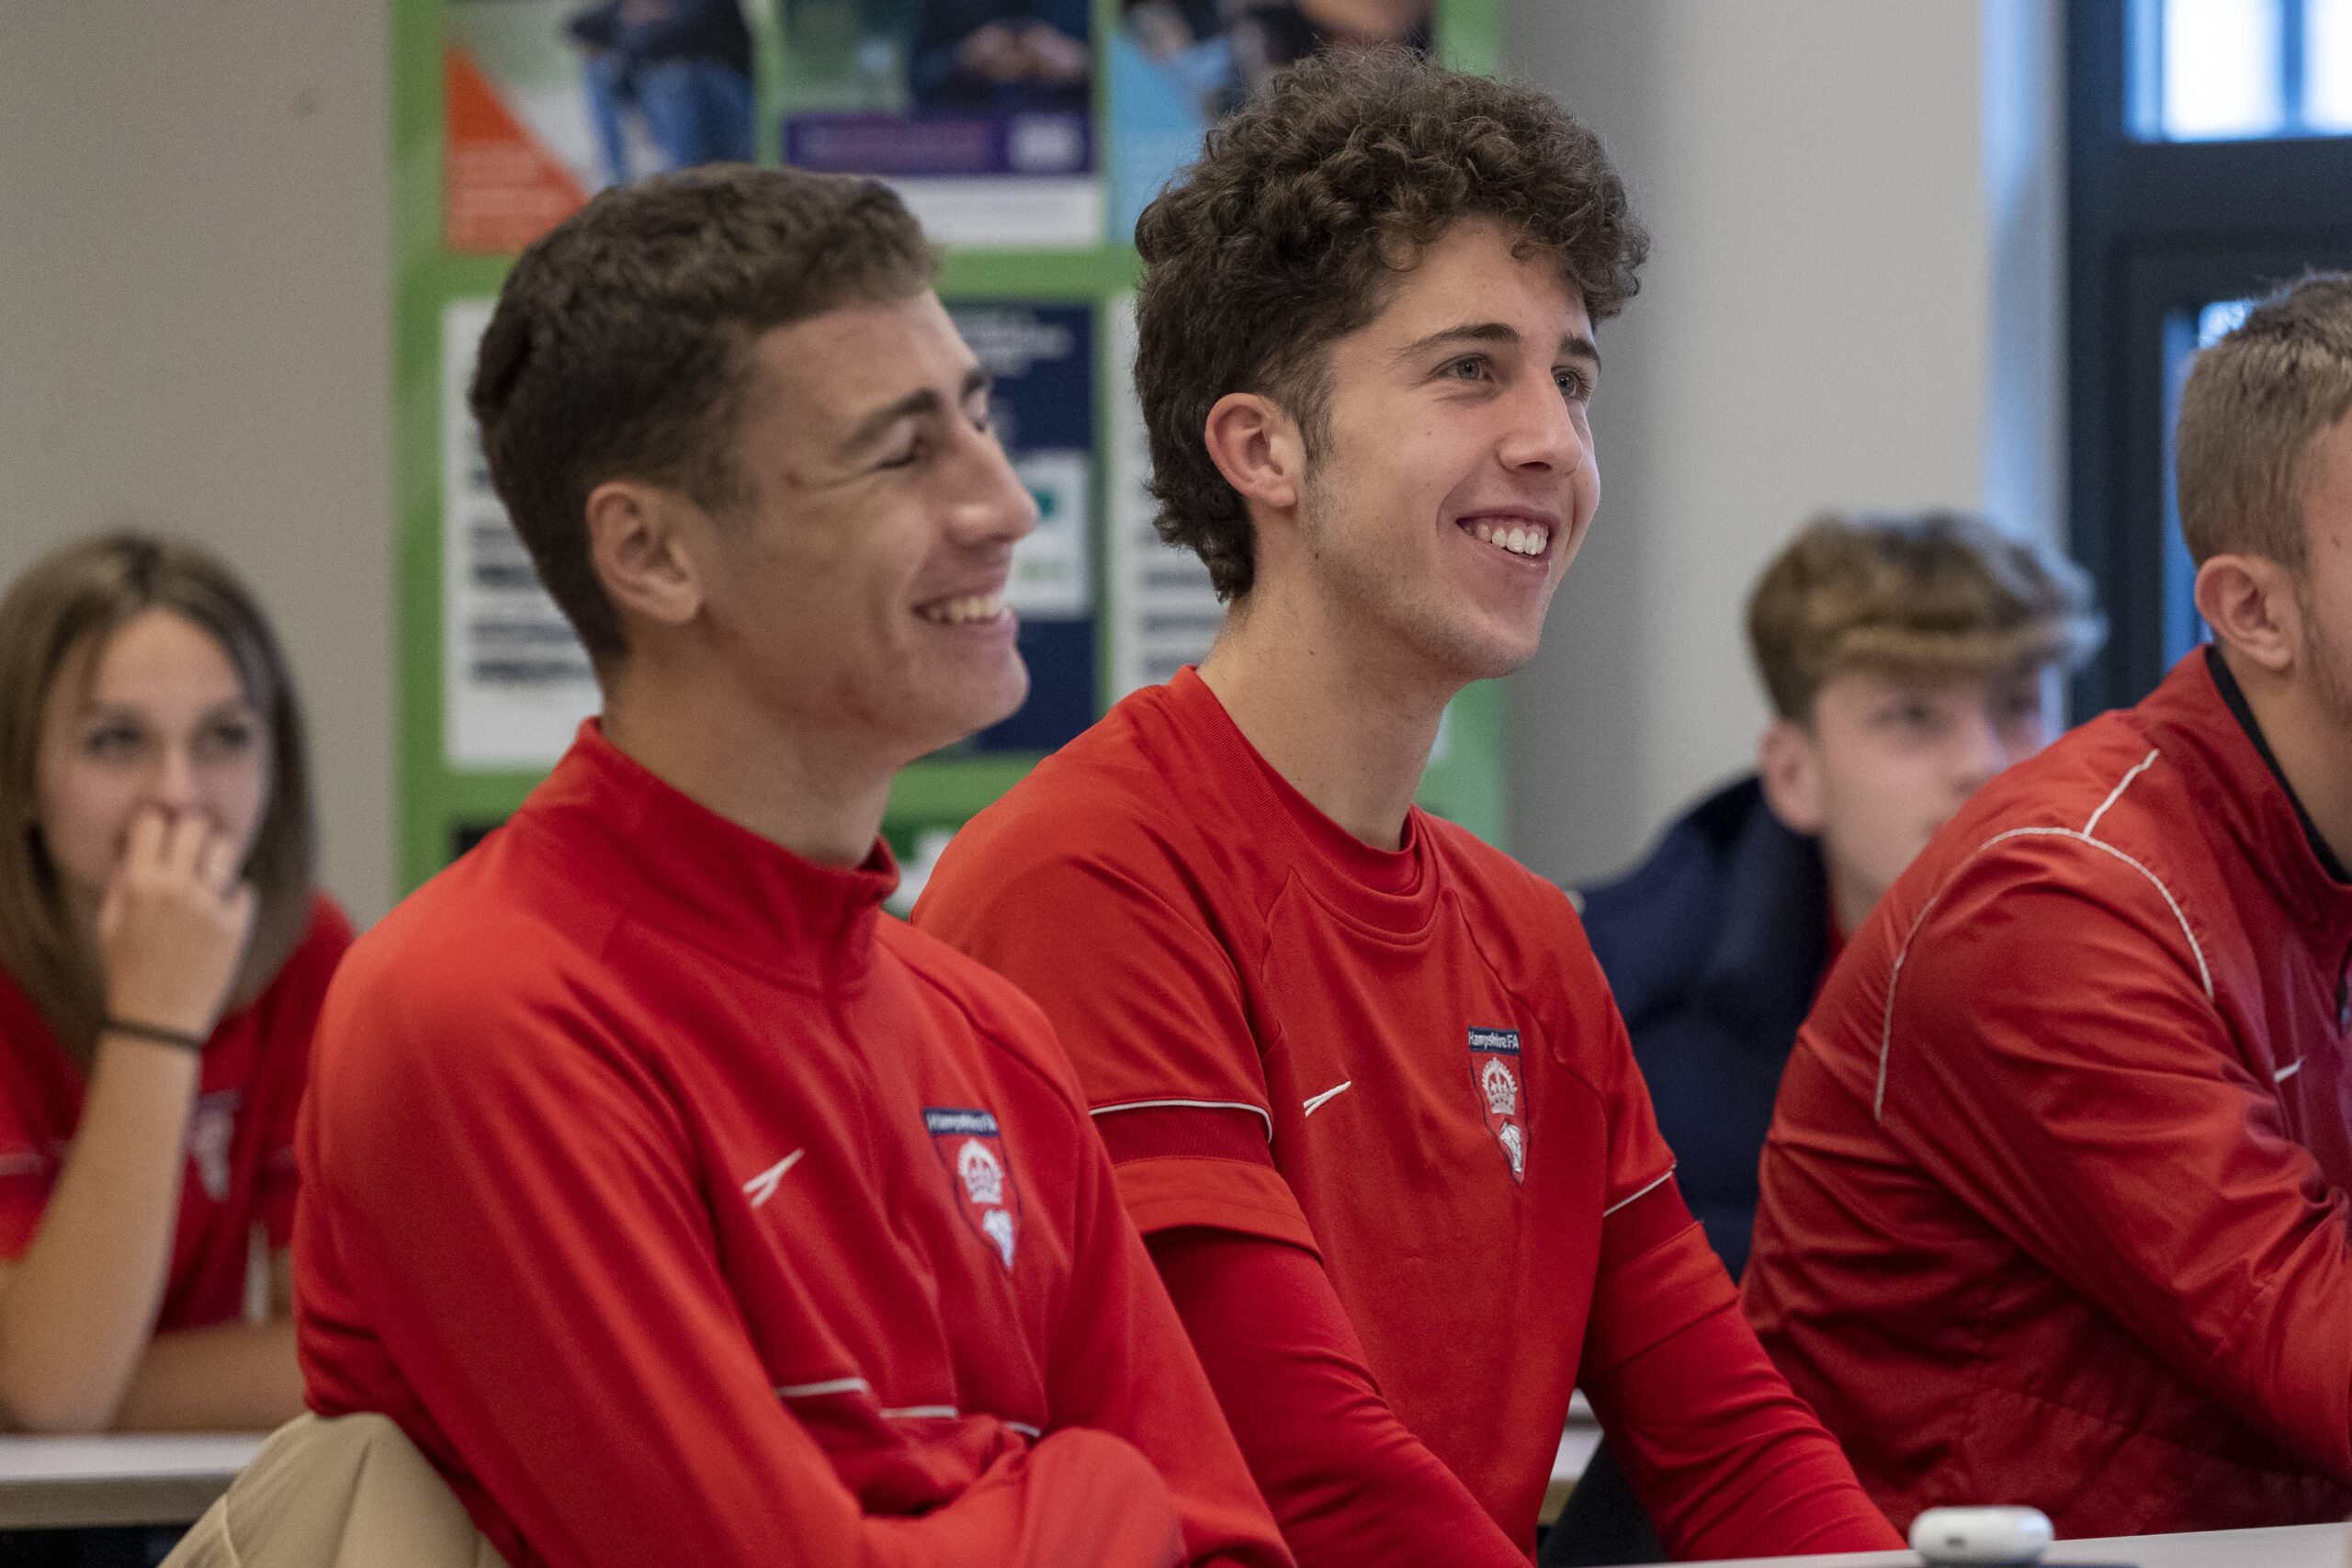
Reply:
x=132, y=1027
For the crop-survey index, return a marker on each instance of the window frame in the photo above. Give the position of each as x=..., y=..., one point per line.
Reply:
x=2153, y=228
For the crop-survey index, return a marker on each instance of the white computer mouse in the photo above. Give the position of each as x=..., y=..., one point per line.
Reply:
x=1981, y=1535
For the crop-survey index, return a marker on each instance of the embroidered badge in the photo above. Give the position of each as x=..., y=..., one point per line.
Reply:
x=971, y=1147
x=212, y=1131
x=1502, y=1097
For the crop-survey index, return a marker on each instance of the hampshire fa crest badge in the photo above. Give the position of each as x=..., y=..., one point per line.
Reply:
x=972, y=1148
x=1502, y=1095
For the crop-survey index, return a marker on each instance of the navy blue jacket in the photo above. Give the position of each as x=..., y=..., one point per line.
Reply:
x=1714, y=946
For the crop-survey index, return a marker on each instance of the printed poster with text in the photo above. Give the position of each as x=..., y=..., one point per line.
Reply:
x=1041, y=358
x=1178, y=66
x=981, y=112
x=549, y=101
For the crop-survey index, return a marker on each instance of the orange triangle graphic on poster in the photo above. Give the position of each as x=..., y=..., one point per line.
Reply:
x=501, y=189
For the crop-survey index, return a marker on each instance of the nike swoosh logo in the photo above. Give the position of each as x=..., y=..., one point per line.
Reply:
x=762, y=1188
x=1327, y=1094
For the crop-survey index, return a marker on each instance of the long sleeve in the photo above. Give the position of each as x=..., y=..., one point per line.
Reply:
x=1347, y=1482
x=2117, y=1134
x=518, y=1209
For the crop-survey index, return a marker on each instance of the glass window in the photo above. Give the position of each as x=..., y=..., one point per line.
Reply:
x=2186, y=332
x=2241, y=70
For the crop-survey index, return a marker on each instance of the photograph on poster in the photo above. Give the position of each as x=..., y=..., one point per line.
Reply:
x=1178, y=66
x=549, y=101
x=1041, y=358
x=979, y=111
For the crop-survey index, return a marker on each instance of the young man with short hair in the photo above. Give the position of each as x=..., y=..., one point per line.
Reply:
x=1358, y=1073
x=2055, y=1200
x=1907, y=660
x=680, y=1209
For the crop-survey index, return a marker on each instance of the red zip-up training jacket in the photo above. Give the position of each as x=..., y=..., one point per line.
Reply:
x=2055, y=1200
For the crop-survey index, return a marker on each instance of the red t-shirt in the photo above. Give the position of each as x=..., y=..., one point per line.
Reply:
x=1405, y=1063
x=682, y=1209
x=240, y=1133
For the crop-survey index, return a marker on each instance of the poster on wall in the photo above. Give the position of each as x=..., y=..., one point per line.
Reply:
x=1164, y=611
x=1041, y=358
x=981, y=112
x=547, y=102
x=515, y=682
x=1178, y=66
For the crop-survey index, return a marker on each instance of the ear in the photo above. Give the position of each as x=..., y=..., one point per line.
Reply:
x=1788, y=764
x=634, y=540
x=2250, y=603
x=1256, y=445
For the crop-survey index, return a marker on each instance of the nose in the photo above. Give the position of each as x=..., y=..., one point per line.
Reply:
x=1977, y=754
x=994, y=507
x=1544, y=436
x=174, y=784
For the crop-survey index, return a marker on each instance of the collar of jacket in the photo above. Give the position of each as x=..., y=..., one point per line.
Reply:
x=2226, y=764
x=1772, y=937
x=715, y=883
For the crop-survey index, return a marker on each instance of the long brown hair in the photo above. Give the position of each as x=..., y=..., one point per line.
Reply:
x=74, y=599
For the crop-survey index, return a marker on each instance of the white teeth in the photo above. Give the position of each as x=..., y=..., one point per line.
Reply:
x=1522, y=539
x=959, y=612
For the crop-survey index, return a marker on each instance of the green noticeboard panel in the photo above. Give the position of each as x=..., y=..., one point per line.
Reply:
x=1025, y=133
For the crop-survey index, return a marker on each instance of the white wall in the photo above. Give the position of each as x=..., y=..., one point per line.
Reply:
x=195, y=288
x=1817, y=328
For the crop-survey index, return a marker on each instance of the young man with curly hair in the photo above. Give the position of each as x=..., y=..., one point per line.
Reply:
x=1359, y=1074
x=2057, y=1202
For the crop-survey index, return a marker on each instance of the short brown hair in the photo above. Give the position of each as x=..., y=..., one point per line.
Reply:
x=1295, y=225
x=1937, y=595
x=61, y=610
x=622, y=344
x=2254, y=403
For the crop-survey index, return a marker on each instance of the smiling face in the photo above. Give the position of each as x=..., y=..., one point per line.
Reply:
x=1886, y=761
x=860, y=592
x=154, y=718
x=1456, y=477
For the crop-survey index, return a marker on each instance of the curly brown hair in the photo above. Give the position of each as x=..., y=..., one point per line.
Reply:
x=1294, y=228
x=622, y=344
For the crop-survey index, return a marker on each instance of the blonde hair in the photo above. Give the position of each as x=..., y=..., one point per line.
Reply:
x=70, y=600
x=1937, y=594
x=2254, y=403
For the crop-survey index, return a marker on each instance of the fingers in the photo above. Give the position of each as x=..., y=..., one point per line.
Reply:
x=216, y=866
x=184, y=844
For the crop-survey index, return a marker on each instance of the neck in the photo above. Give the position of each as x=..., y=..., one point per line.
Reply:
x=699, y=732
x=2311, y=742
x=1349, y=729
x=1850, y=900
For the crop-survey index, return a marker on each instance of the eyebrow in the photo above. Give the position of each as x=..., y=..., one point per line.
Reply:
x=915, y=405
x=1575, y=345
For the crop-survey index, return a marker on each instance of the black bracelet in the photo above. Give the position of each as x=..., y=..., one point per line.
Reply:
x=154, y=1031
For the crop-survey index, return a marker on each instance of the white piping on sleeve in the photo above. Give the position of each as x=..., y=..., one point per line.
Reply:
x=1260, y=1111
x=2289, y=1071
x=2196, y=948
x=1026, y=1430
x=819, y=1389
x=1643, y=1193
x=922, y=1413
x=2116, y=793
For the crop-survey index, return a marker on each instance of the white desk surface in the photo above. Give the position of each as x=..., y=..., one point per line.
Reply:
x=118, y=1479
x=2298, y=1546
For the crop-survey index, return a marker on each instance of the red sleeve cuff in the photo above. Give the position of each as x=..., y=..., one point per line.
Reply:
x=1169, y=1192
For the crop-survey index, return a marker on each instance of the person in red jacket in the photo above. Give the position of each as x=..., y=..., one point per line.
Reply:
x=2054, y=1203
x=677, y=1205
x=1359, y=1074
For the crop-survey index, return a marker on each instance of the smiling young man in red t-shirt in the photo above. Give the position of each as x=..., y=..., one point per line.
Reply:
x=1359, y=1074
x=680, y=1207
